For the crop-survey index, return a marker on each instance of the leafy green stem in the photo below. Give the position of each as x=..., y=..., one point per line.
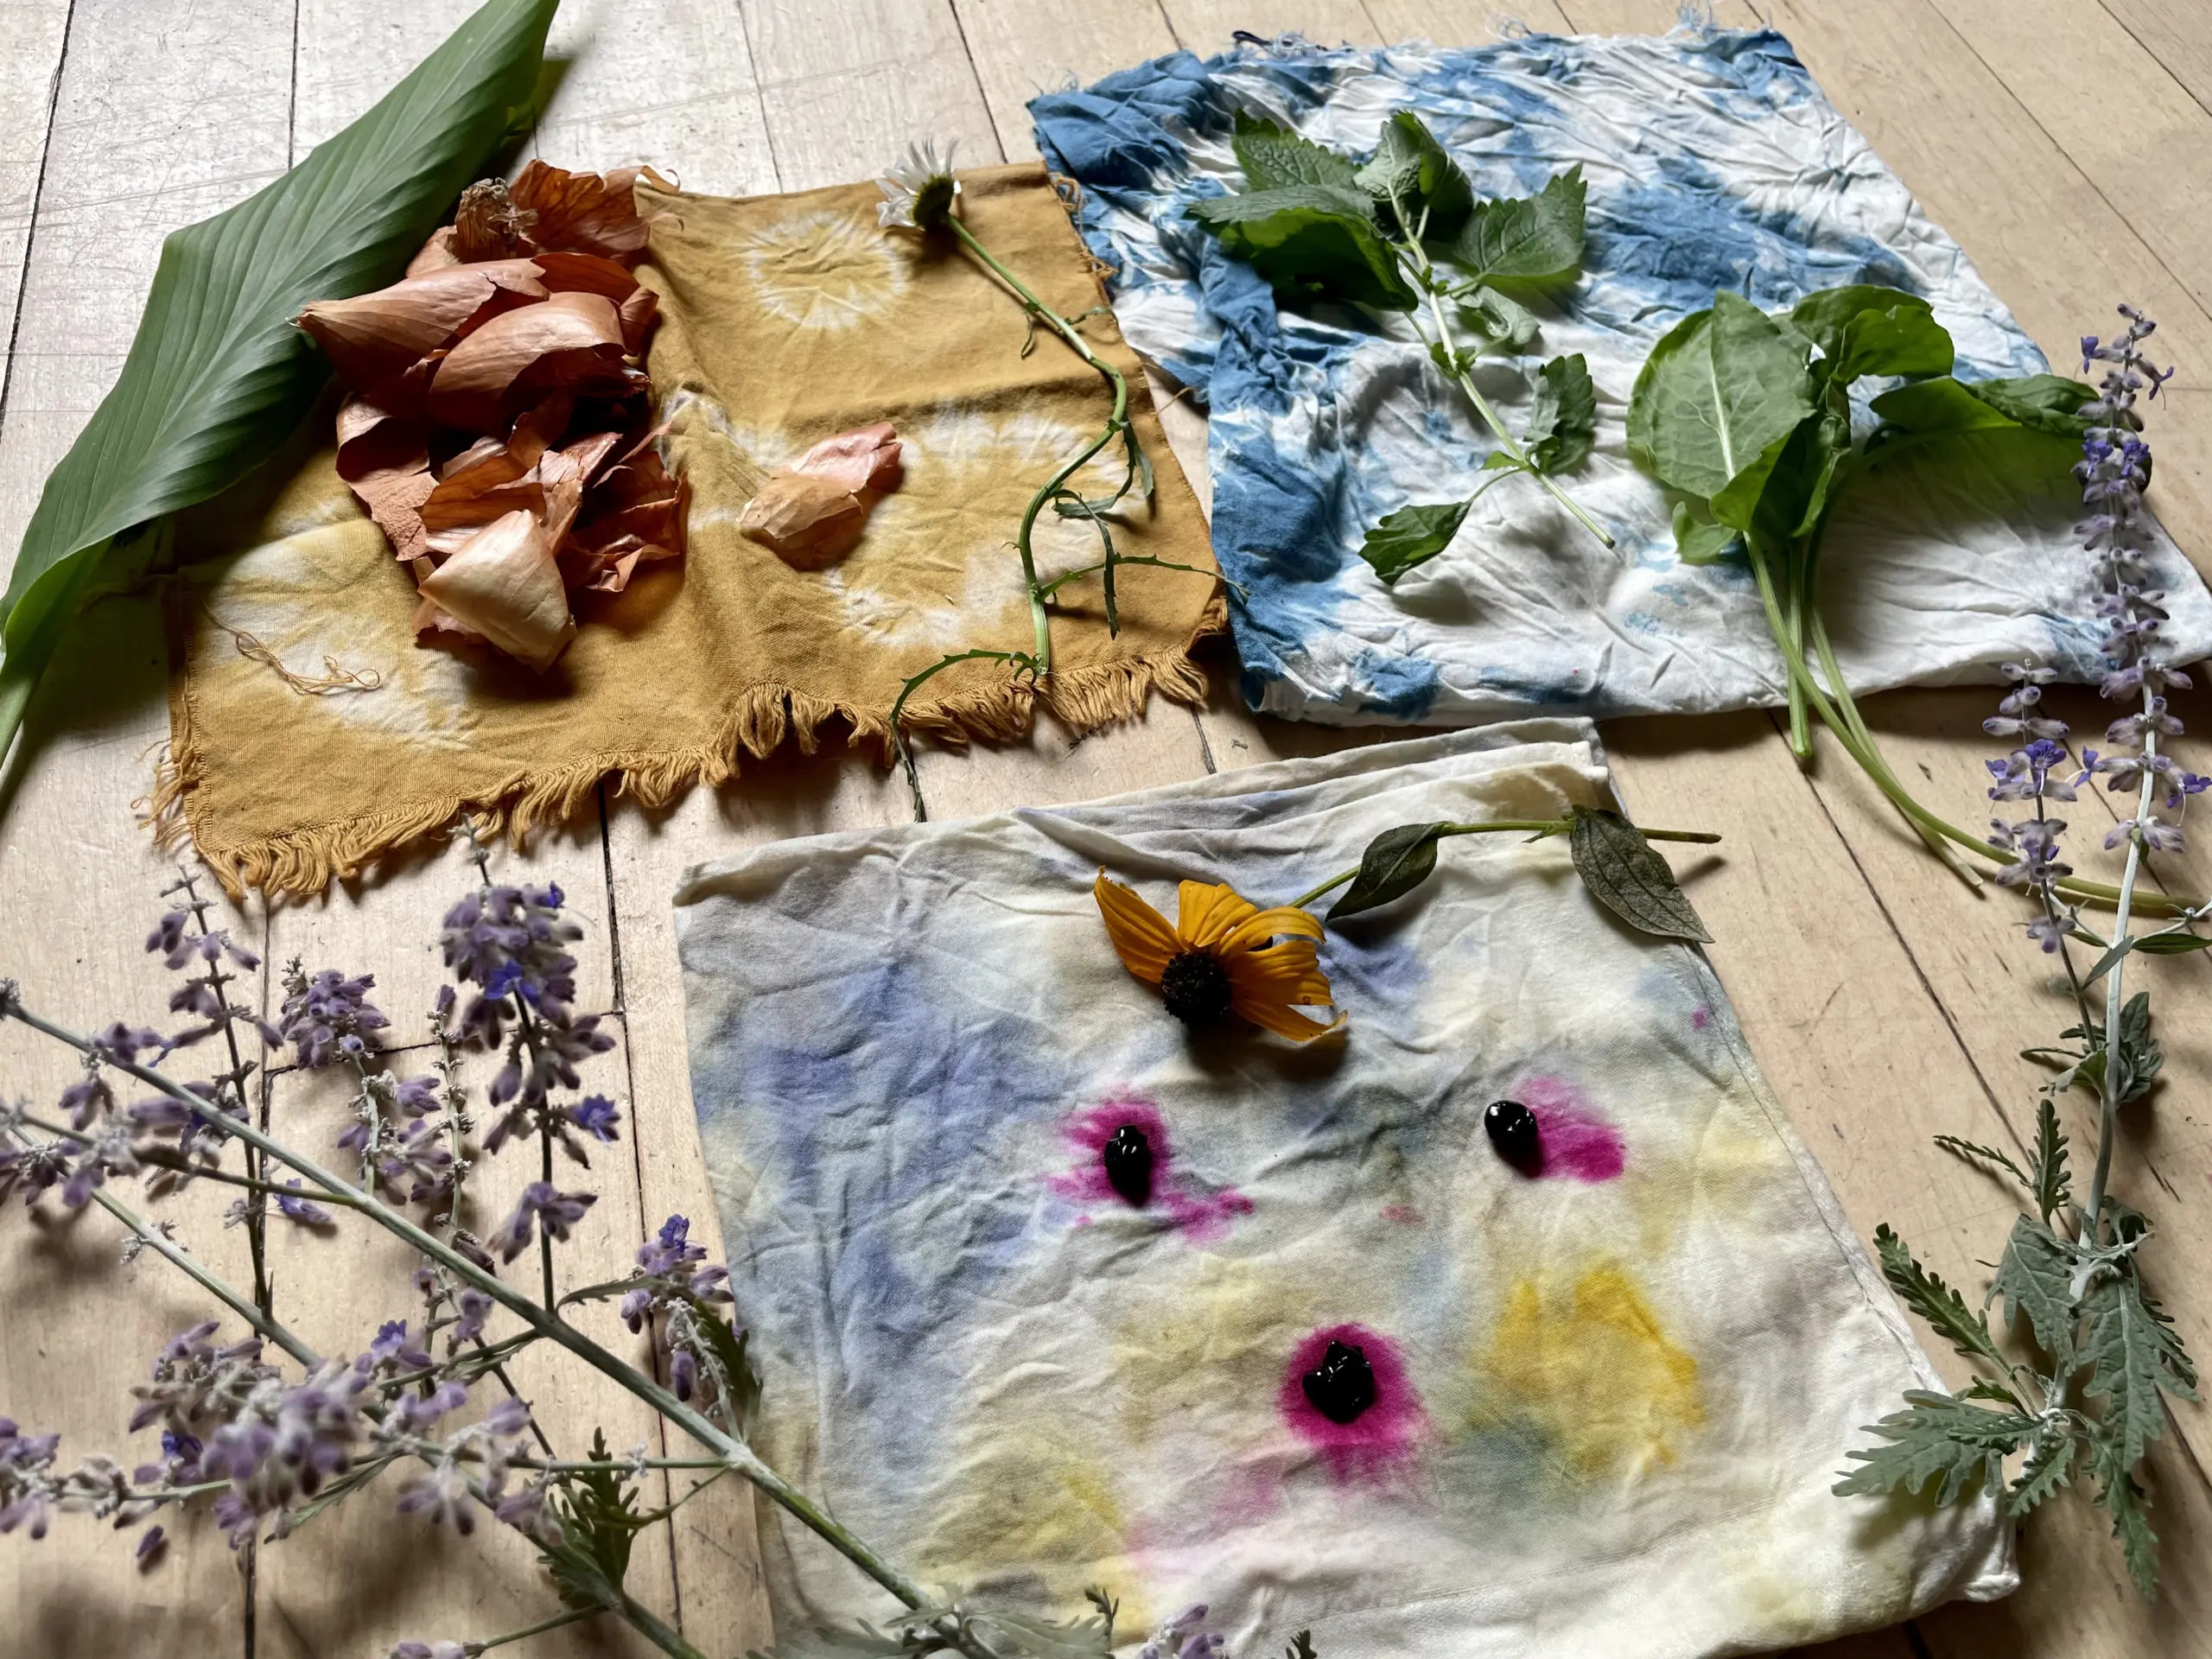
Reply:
x=1537, y=829
x=2091, y=1223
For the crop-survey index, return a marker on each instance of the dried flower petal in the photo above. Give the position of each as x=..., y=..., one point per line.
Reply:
x=814, y=512
x=505, y=584
x=581, y=212
x=571, y=342
x=375, y=337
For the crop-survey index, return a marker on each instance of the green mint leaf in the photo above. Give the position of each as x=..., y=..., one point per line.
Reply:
x=2035, y=1277
x=1622, y=872
x=1411, y=168
x=2052, y=1188
x=1938, y=1439
x=1504, y=323
x=1395, y=862
x=2049, y=1463
x=1411, y=536
x=1699, y=540
x=1563, y=422
x=2133, y=1356
x=1824, y=316
x=1272, y=157
x=1529, y=238
x=1309, y=241
x=2122, y=1499
x=1717, y=397
x=1927, y=1295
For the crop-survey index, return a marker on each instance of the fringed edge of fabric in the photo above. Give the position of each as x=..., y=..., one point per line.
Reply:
x=307, y=861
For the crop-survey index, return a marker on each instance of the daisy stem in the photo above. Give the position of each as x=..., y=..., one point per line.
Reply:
x=1539, y=828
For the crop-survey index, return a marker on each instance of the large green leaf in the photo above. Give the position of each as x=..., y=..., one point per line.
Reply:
x=1410, y=169
x=1309, y=241
x=1563, y=419
x=1273, y=155
x=1718, y=397
x=1411, y=536
x=2042, y=403
x=217, y=375
x=1528, y=239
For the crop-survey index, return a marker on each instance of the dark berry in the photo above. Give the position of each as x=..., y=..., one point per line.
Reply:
x=1196, y=987
x=1128, y=1158
x=1513, y=1131
x=1343, y=1385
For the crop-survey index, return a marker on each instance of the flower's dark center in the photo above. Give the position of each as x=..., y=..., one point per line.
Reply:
x=1513, y=1133
x=933, y=201
x=1127, y=1158
x=1343, y=1385
x=1196, y=987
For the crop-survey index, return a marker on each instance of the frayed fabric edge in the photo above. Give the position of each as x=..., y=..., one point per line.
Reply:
x=305, y=861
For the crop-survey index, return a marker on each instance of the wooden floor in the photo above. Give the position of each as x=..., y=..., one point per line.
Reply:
x=2067, y=143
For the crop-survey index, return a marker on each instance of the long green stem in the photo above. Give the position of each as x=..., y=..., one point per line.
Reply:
x=1412, y=253
x=733, y=1451
x=2115, y=1001
x=1497, y=826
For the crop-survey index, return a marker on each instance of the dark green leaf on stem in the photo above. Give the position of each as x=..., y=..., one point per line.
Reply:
x=1395, y=862
x=2034, y=1277
x=1525, y=239
x=1311, y=242
x=1625, y=875
x=2053, y=1188
x=1410, y=168
x=1411, y=536
x=1503, y=323
x=599, y=1522
x=1699, y=541
x=2121, y=1498
x=2133, y=1356
x=2172, y=944
x=1926, y=1294
x=1272, y=157
x=1717, y=398
x=2042, y=403
x=217, y=375
x=1863, y=329
x=2049, y=1463
x=1563, y=422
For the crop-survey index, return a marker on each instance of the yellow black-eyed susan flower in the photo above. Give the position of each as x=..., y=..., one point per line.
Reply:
x=1223, y=954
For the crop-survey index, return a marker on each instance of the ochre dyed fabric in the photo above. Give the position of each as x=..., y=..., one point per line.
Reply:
x=785, y=319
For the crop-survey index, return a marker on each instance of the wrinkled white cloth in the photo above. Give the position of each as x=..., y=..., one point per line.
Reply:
x=1611, y=1396
x=1713, y=160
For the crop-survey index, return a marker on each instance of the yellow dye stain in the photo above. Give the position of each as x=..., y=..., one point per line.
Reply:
x=1023, y=1503
x=1594, y=1372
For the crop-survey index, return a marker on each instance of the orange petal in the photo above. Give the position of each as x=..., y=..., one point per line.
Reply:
x=581, y=213
x=374, y=337
x=1273, y=1016
x=570, y=342
x=808, y=522
x=865, y=459
x=1205, y=915
x=505, y=584
x=1257, y=930
x=1140, y=935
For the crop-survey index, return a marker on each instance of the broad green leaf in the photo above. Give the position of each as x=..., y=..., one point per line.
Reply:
x=2043, y=402
x=1395, y=862
x=1718, y=396
x=1926, y=1294
x=1411, y=168
x=1563, y=420
x=1936, y=1439
x=217, y=375
x=2034, y=1277
x=1504, y=323
x=1865, y=329
x=1699, y=540
x=2133, y=1355
x=1309, y=241
x=1528, y=239
x=2172, y=944
x=1273, y=155
x=1411, y=536
x=1620, y=869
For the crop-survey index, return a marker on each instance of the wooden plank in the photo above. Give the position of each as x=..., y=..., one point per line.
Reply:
x=1454, y=22
x=1022, y=48
x=1206, y=26
x=156, y=122
x=1651, y=16
x=2178, y=33
x=2046, y=52
x=361, y=1576
x=30, y=65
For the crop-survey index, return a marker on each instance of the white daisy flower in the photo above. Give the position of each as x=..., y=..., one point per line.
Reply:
x=918, y=189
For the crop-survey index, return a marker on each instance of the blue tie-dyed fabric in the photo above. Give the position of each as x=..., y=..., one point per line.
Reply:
x=1614, y=1385
x=1713, y=160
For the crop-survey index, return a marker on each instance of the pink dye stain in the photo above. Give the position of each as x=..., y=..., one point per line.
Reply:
x=1404, y=1214
x=1701, y=1019
x=1199, y=1216
x=1381, y=1439
x=1576, y=1141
